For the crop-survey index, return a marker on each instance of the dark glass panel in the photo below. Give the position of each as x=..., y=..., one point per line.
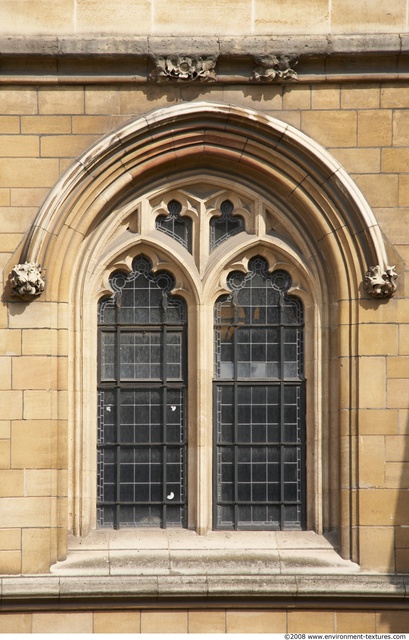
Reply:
x=264, y=326
x=141, y=419
x=224, y=226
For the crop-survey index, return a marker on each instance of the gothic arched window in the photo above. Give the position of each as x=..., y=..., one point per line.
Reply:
x=259, y=403
x=141, y=401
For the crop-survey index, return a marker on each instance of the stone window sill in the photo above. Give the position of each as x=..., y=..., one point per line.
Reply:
x=177, y=552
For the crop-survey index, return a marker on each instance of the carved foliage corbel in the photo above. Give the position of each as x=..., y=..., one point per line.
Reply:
x=271, y=67
x=181, y=67
x=26, y=281
x=380, y=284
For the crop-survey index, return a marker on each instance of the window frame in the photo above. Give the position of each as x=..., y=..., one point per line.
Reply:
x=200, y=294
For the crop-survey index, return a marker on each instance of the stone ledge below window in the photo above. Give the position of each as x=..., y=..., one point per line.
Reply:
x=179, y=552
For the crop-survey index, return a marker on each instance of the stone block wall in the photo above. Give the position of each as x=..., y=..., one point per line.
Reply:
x=42, y=131
x=232, y=17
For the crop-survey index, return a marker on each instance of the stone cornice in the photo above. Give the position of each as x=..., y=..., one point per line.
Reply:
x=31, y=591
x=66, y=59
x=117, y=46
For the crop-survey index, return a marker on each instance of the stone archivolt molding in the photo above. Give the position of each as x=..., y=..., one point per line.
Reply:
x=166, y=136
x=84, y=226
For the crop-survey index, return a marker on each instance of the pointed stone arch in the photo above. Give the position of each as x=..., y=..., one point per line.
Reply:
x=319, y=215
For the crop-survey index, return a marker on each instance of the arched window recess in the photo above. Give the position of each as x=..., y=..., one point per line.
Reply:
x=301, y=212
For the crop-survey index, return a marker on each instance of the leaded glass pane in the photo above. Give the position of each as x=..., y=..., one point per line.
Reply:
x=176, y=226
x=224, y=226
x=259, y=403
x=141, y=402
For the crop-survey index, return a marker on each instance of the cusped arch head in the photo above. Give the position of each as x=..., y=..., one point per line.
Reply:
x=274, y=158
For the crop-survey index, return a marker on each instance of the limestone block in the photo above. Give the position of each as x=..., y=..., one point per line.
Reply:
x=45, y=124
x=398, y=393
x=374, y=128
x=395, y=160
x=394, y=223
x=397, y=448
x=65, y=146
x=11, y=483
x=5, y=429
x=404, y=339
x=404, y=190
x=34, y=444
x=378, y=339
x=9, y=124
x=294, y=16
x=255, y=621
x=354, y=96
x=311, y=621
x=28, y=172
x=102, y=16
x=9, y=242
x=260, y=97
x=371, y=461
x=11, y=405
x=376, y=549
x=34, y=372
x=117, y=622
x=27, y=197
x=207, y=622
x=402, y=560
x=36, y=550
x=395, y=97
x=10, y=539
x=96, y=124
x=62, y=622
x=40, y=482
x=5, y=372
x=372, y=382
x=12, y=223
x=40, y=405
x=398, y=367
x=380, y=190
x=44, y=342
x=397, y=476
x=138, y=102
x=392, y=622
x=356, y=160
x=26, y=512
x=15, y=623
x=36, y=16
x=4, y=454
x=219, y=18
x=61, y=100
x=4, y=197
x=168, y=622
x=383, y=507
x=326, y=96
x=331, y=128
x=10, y=563
x=401, y=128
x=378, y=421
x=355, y=621
x=99, y=100
x=19, y=146
x=17, y=100
x=296, y=97
x=349, y=16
